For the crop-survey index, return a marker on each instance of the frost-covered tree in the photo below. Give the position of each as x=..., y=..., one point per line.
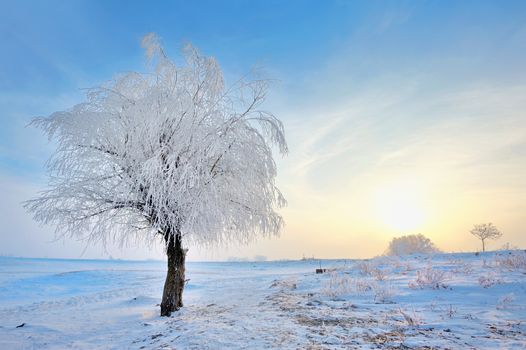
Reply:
x=411, y=244
x=171, y=154
x=485, y=231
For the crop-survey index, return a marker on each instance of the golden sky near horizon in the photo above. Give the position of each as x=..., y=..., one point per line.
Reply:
x=354, y=180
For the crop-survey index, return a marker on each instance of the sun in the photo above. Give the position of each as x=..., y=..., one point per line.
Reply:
x=399, y=206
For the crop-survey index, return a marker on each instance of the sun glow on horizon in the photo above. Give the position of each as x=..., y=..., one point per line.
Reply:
x=400, y=206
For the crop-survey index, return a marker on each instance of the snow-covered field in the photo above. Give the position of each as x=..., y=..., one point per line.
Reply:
x=447, y=301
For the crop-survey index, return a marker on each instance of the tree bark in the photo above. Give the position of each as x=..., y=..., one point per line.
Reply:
x=175, y=279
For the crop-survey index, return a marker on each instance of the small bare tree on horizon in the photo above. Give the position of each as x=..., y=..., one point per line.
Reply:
x=170, y=155
x=485, y=231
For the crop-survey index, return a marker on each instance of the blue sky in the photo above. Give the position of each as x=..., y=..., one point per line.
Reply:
x=374, y=94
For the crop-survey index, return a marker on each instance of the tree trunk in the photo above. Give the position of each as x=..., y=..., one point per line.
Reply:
x=174, y=284
x=483, y=246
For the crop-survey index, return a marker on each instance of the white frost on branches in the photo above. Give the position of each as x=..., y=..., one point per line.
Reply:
x=411, y=244
x=168, y=151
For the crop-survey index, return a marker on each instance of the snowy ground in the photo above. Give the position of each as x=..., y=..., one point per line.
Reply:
x=448, y=301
